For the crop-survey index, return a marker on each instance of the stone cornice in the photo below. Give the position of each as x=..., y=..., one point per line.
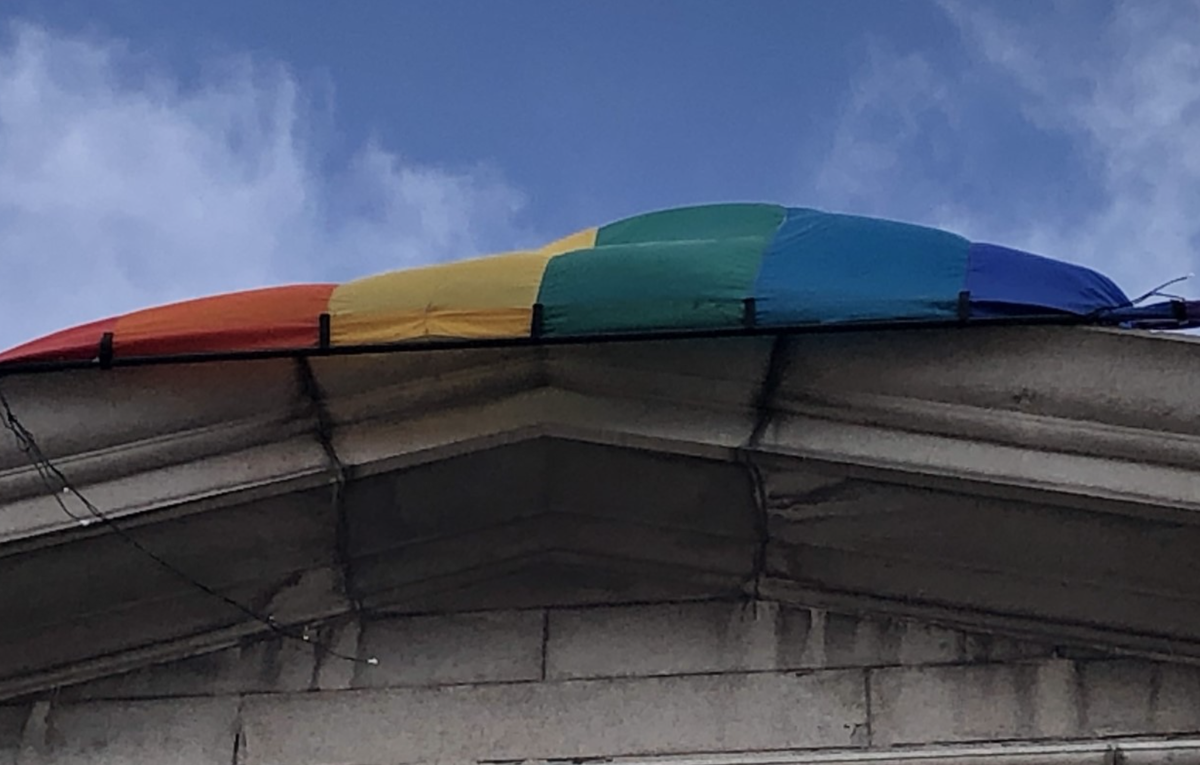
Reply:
x=889, y=412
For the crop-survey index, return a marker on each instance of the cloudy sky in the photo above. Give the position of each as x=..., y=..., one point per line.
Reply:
x=152, y=151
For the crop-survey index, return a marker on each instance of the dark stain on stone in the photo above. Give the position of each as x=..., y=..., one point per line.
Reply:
x=238, y=746
x=722, y=624
x=357, y=679
x=326, y=636
x=1156, y=682
x=1024, y=683
x=13, y=720
x=52, y=737
x=860, y=735
x=270, y=666
x=891, y=637
x=792, y=627
x=1082, y=701
x=962, y=647
x=841, y=634
x=977, y=648
x=205, y=666
x=1023, y=397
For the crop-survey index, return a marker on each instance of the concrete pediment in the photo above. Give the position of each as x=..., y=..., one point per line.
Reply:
x=1033, y=483
x=537, y=522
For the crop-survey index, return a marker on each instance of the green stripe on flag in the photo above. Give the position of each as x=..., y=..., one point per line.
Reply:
x=636, y=287
x=711, y=222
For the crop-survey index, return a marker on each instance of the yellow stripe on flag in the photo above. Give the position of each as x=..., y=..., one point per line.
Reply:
x=481, y=298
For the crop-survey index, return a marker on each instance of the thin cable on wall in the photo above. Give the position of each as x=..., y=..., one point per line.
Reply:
x=60, y=488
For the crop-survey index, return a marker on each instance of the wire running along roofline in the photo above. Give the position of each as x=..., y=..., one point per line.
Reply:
x=99, y=361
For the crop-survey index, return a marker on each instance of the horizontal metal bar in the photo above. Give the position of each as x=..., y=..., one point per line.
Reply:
x=430, y=346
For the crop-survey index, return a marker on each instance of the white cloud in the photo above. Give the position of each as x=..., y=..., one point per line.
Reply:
x=888, y=111
x=1138, y=106
x=121, y=188
x=1128, y=98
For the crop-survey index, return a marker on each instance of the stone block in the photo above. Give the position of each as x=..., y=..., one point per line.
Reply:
x=973, y=703
x=160, y=732
x=425, y=650
x=1045, y=699
x=685, y=638
x=457, y=648
x=267, y=665
x=841, y=640
x=12, y=725
x=559, y=720
x=1127, y=697
x=661, y=639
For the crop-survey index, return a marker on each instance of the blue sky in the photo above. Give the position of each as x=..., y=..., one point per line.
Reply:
x=151, y=151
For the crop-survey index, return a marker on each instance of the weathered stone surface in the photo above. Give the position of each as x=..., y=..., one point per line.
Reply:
x=666, y=678
x=459, y=648
x=667, y=639
x=1047, y=699
x=557, y=720
x=12, y=724
x=1131, y=697
x=331, y=672
x=841, y=640
x=270, y=665
x=915, y=705
x=274, y=665
x=688, y=638
x=505, y=646
x=175, y=732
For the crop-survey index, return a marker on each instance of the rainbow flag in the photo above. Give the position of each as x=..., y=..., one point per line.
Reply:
x=716, y=267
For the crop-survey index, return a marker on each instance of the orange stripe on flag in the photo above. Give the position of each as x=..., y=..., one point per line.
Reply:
x=80, y=343
x=277, y=318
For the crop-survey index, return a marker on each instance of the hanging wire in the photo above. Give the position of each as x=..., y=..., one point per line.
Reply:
x=1158, y=291
x=60, y=488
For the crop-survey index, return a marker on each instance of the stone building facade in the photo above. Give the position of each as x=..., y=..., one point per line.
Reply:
x=944, y=547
